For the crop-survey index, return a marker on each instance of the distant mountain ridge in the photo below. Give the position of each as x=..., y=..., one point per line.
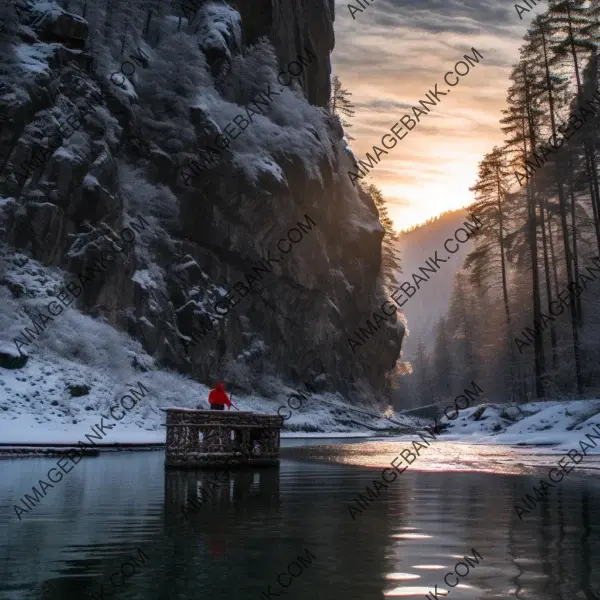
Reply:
x=431, y=301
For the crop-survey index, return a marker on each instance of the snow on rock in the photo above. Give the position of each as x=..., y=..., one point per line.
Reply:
x=121, y=86
x=260, y=168
x=11, y=358
x=558, y=425
x=144, y=278
x=49, y=21
x=75, y=351
x=52, y=9
x=34, y=58
x=220, y=28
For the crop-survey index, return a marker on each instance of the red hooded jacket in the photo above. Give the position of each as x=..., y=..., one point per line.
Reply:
x=218, y=395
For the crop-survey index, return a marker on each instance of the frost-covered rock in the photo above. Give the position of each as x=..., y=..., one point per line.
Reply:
x=10, y=358
x=53, y=24
x=79, y=389
x=207, y=151
x=188, y=272
x=219, y=29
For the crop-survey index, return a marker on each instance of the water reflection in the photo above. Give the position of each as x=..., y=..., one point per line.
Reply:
x=241, y=488
x=240, y=538
x=209, y=501
x=442, y=456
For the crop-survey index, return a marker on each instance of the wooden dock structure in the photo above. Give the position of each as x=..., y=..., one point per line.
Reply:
x=217, y=438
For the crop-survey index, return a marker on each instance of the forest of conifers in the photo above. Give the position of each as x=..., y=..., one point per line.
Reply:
x=524, y=317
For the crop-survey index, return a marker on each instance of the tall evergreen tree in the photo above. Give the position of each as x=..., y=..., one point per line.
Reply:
x=443, y=359
x=521, y=122
x=340, y=105
x=539, y=39
x=574, y=29
x=490, y=253
x=422, y=376
x=390, y=256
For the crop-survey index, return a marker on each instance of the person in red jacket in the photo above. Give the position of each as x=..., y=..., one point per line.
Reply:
x=218, y=398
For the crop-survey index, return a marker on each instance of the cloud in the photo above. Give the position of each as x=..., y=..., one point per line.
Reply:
x=391, y=55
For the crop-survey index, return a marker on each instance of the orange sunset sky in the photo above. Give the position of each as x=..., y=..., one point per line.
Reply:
x=390, y=56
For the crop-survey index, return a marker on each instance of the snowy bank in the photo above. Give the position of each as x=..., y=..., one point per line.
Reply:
x=555, y=425
x=77, y=368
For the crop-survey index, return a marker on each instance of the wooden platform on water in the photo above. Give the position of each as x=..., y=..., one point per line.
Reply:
x=218, y=438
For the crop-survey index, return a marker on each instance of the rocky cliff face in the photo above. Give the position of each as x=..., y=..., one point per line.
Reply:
x=257, y=262
x=295, y=26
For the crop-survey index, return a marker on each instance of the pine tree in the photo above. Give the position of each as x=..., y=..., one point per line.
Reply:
x=340, y=105
x=521, y=122
x=459, y=322
x=572, y=23
x=491, y=191
x=390, y=258
x=539, y=41
x=443, y=360
x=422, y=379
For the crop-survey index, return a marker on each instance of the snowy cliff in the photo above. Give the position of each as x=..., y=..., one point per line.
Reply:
x=171, y=172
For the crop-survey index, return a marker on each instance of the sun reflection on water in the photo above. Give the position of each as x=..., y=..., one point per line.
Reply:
x=441, y=456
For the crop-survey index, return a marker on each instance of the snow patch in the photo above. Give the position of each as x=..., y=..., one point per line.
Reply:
x=145, y=280
x=555, y=425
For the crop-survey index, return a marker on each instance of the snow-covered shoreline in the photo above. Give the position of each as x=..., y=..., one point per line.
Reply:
x=74, y=374
x=549, y=427
x=77, y=371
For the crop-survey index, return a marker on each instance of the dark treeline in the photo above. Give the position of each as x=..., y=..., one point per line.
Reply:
x=429, y=221
x=524, y=317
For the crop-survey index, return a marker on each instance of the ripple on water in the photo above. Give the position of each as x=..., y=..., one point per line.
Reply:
x=402, y=576
x=407, y=591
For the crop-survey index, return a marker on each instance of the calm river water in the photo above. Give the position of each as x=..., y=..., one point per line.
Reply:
x=257, y=524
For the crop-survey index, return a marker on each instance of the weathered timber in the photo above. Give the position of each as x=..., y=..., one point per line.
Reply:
x=211, y=438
